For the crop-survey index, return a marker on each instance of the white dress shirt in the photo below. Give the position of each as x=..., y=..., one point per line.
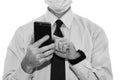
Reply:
x=84, y=34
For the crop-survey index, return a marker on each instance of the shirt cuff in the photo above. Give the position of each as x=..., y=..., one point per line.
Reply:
x=85, y=68
x=79, y=59
x=21, y=75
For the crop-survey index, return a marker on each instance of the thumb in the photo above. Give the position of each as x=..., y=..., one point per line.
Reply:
x=32, y=39
x=55, y=37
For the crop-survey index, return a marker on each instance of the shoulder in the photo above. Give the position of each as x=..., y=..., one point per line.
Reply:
x=92, y=27
x=29, y=25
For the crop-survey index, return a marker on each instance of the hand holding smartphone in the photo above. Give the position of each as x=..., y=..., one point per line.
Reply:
x=42, y=29
x=41, y=50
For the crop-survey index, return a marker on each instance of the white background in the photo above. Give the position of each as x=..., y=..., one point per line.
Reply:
x=106, y=13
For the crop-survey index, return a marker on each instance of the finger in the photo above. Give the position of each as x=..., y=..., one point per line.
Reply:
x=66, y=45
x=62, y=40
x=42, y=40
x=65, y=48
x=55, y=37
x=60, y=54
x=60, y=46
x=41, y=61
x=45, y=48
x=58, y=43
x=59, y=39
x=48, y=58
x=47, y=53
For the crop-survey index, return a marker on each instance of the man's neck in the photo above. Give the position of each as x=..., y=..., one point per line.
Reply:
x=59, y=15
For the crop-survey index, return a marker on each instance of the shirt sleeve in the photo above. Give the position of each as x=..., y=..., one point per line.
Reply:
x=15, y=54
x=100, y=67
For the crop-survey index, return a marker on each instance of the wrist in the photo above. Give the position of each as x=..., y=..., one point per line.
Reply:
x=27, y=68
x=79, y=58
x=74, y=56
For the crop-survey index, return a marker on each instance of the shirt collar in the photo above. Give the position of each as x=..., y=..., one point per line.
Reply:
x=66, y=18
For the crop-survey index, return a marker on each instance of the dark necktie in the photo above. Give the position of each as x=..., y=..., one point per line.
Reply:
x=57, y=63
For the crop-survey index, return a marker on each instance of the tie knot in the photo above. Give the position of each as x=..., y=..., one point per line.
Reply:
x=58, y=30
x=59, y=23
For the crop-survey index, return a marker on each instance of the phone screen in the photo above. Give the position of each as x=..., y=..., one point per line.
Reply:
x=42, y=29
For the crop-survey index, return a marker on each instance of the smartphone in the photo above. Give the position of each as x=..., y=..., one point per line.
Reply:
x=42, y=29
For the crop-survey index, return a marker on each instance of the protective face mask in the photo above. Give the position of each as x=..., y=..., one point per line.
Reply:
x=58, y=6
